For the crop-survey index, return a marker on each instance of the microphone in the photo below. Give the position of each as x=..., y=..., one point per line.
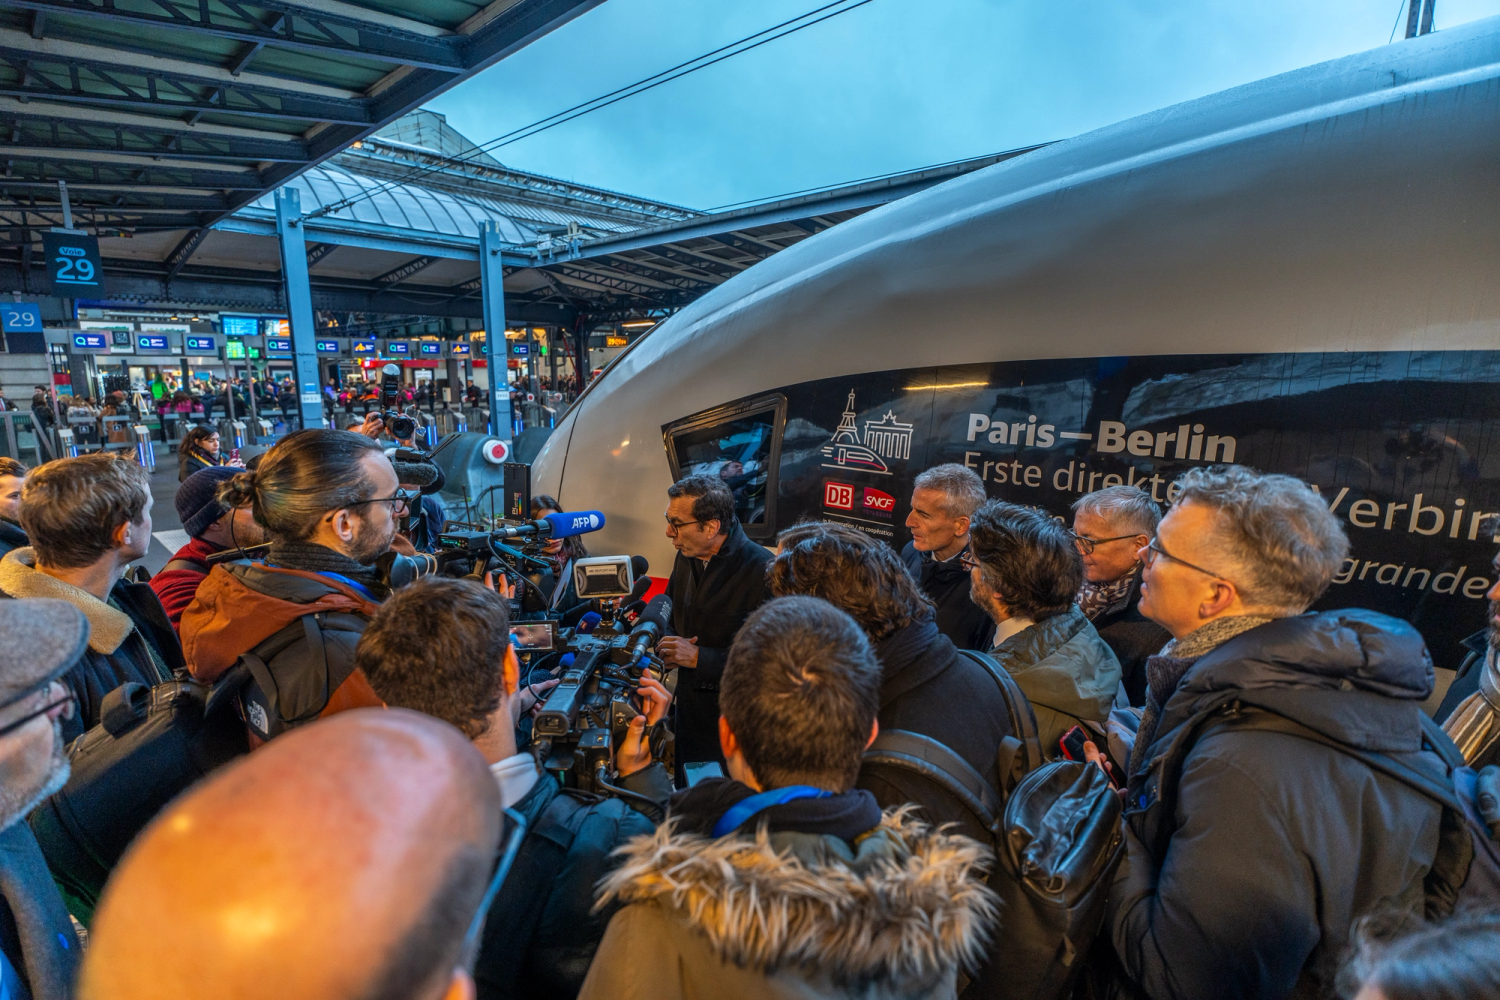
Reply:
x=652, y=623
x=587, y=623
x=554, y=526
x=638, y=568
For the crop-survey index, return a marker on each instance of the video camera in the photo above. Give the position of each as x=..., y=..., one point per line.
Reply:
x=402, y=427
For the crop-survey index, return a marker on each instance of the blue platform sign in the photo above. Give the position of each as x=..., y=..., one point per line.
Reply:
x=90, y=341
x=460, y=350
x=328, y=347
x=73, y=263
x=364, y=347
x=21, y=317
x=520, y=348
x=145, y=342
x=200, y=344
x=279, y=345
x=430, y=349
x=398, y=347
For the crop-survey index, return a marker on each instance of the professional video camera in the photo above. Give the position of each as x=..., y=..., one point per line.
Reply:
x=402, y=427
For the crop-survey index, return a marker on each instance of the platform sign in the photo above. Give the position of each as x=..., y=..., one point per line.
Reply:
x=200, y=344
x=430, y=349
x=73, y=263
x=278, y=345
x=398, y=348
x=151, y=343
x=520, y=348
x=328, y=347
x=21, y=317
x=90, y=340
x=460, y=350
x=239, y=326
x=364, y=347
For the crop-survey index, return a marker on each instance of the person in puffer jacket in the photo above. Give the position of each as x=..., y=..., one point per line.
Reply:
x=783, y=880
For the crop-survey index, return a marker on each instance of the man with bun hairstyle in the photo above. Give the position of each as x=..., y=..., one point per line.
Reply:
x=213, y=527
x=329, y=502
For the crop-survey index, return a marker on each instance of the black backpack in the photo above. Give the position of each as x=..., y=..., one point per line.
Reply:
x=151, y=744
x=1466, y=870
x=1055, y=829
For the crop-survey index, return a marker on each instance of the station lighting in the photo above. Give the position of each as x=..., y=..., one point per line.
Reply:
x=637, y=324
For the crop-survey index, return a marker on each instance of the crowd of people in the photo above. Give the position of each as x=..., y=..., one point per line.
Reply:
x=384, y=826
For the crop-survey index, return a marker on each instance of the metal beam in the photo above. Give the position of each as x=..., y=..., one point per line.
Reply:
x=492, y=279
x=318, y=250
x=44, y=172
x=299, y=306
x=301, y=28
x=184, y=250
x=169, y=140
x=397, y=275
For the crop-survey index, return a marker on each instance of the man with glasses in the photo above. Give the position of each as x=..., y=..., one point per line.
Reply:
x=1112, y=525
x=352, y=860
x=39, y=953
x=1256, y=832
x=329, y=502
x=719, y=577
x=1024, y=570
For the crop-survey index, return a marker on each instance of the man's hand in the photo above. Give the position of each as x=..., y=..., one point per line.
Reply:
x=676, y=651
x=373, y=426
x=1093, y=755
x=635, y=750
x=529, y=700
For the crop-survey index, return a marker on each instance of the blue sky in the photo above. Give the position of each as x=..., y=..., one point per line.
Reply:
x=893, y=85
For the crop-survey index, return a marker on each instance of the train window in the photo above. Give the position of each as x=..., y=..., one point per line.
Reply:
x=741, y=444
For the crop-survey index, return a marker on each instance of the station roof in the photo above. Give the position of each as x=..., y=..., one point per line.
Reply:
x=171, y=115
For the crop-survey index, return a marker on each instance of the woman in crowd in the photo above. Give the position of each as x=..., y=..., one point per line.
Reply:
x=200, y=449
x=561, y=553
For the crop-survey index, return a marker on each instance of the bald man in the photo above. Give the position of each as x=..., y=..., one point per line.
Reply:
x=345, y=860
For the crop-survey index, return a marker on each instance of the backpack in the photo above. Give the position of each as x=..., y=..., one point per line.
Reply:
x=283, y=692
x=1055, y=829
x=151, y=743
x=1466, y=869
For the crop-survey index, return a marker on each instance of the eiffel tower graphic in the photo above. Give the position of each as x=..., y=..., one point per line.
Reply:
x=849, y=453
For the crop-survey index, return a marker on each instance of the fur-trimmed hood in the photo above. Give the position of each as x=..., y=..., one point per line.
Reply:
x=906, y=905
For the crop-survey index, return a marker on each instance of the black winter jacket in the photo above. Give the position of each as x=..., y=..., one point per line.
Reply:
x=711, y=602
x=927, y=688
x=11, y=536
x=1466, y=681
x=947, y=583
x=96, y=674
x=1134, y=638
x=1277, y=843
x=542, y=932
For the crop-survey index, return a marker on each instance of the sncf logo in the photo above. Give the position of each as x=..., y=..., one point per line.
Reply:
x=839, y=495
x=876, y=500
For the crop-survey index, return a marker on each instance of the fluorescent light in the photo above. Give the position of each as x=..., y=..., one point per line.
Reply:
x=946, y=385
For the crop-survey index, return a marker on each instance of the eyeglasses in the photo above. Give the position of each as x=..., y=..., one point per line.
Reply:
x=1087, y=545
x=473, y=937
x=403, y=498
x=677, y=526
x=68, y=698
x=1154, y=549
x=967, y=561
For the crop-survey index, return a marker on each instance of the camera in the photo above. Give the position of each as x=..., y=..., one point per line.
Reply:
x=402, y=427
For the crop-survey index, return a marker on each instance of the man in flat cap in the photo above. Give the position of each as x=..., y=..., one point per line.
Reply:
x=39, y=953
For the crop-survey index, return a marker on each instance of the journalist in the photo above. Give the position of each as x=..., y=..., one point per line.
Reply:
x=329, y=502
x=12, y=476
x=1470, y=712
x=784, y=880
x=1111, y=526
x=39, y=953
x=212, y=527
x=943, y=499
x=88, y=518
x=718, y=578
x=442, y=647
x=345, y=862
x=1025, y=572
x=1252, y=849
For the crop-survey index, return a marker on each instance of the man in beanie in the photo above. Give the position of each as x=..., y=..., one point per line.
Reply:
x=213, y=527
x=39, y=953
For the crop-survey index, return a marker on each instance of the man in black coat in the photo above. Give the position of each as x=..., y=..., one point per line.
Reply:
x=1111, y=526
x=1470, y=712
x=718, y=578
x=942, y=501
x=1250, y=852
x=88, y=518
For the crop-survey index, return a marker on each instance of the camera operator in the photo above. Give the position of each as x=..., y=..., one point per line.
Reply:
x=441, y=646
x=718, y=578
x=330, y=501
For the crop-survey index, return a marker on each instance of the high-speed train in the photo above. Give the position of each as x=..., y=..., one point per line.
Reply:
x=1300, y=274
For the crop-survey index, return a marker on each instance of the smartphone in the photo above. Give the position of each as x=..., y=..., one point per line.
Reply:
x=696, y=772
x=1072, y=743
x=534, y=636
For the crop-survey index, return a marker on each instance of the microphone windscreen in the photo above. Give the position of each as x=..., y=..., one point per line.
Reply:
x=638, y=591
x=588, y=621
x=658, y=611
x=639, y=567
x=578, y=522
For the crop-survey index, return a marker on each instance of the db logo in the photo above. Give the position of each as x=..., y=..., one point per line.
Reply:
x=876, y=500
x=838, y=495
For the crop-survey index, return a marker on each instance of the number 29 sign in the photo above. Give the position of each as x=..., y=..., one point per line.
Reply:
x=73, y=262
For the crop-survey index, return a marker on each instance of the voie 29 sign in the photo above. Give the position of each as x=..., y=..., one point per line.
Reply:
x=73, y=263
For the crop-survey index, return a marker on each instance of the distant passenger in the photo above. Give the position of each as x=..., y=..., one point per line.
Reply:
x=347, y=861
x=942, y=501
x=719, y=577
x=1025, y=571
x=1252, y=851
x=783, y=880
x=1112, y=525
x=212, y=526
x=1471, y=709
x=12, y=476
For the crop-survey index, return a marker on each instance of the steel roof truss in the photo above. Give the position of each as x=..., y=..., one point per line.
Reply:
x=101, y=137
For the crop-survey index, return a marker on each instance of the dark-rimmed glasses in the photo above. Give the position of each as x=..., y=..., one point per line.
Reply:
x=677, y=526
x=1154, y=549
x=1087, y=545
x=402, y=498
x=10, y=727
x=967, y=561
x=469, y=953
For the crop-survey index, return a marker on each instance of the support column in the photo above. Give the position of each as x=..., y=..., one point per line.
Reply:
x=492, y=284
x=299, y=305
